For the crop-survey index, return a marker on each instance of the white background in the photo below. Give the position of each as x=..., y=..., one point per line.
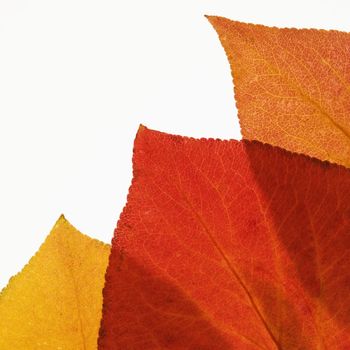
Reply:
x=78, y=77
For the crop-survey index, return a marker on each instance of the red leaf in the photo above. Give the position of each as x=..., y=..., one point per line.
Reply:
x=229, y=245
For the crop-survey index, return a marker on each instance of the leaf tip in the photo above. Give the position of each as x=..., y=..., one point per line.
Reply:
x=212, y=19
x=61, y=220
x=141, y=128
x=140, y=132
x=209, y=18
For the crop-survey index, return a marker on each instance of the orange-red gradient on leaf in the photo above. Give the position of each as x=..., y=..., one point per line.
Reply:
x=292, y=86
x=229, y=245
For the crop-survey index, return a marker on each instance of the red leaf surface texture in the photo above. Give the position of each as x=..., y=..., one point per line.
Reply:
x=229, y=245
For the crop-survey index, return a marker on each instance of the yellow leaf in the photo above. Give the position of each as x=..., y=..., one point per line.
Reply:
x=55, y=302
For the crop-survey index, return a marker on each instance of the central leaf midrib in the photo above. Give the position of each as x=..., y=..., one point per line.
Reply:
x=235, y=273
x=315, y=104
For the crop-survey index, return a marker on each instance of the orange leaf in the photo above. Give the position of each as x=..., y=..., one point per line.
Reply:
x=229, y=245
x=292, y=86
x=56, y=301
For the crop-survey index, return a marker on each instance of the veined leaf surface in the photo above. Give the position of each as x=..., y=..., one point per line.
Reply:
x=55, y=302
x=229, y=245
x=292, y=86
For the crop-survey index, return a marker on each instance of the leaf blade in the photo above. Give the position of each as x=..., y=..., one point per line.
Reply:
x=223, y=225
x=56, y=300
x=292, y=86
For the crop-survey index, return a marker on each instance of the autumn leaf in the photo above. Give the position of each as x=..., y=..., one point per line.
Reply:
x=229, y=245
x=55, y=302
x=292, y=86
